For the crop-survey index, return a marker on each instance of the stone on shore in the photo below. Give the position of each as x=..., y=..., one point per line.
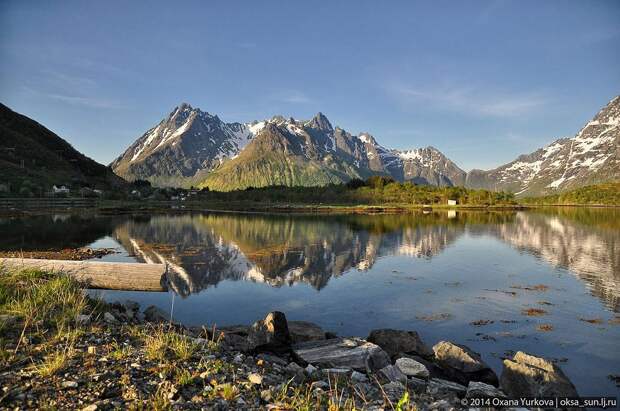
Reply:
x=477, y=389
x=82, y=319
x=255, y=378
x=109, y=318
x=394, y=391
x=302, y=331
x=443, y=388
x=417, y=385
x=412, y=368
x=69, y=384
x=352, y=353
x=529, y=376
x=271, y=334
x=155, y=315
x=462, y=364
x=397, y=341
x=392, y=373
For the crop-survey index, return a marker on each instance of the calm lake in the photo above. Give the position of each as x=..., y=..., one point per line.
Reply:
x=467, y=277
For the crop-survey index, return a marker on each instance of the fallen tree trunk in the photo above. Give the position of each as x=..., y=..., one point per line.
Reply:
x=99, y=274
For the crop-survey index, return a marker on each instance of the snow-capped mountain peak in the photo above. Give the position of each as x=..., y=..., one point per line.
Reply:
x=592, y=155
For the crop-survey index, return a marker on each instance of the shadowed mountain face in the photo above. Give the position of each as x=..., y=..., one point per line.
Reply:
x=31, y=153
x=203, y=250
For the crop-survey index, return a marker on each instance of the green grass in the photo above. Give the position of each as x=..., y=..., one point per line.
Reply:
x=120, y=351
x=164, y=342
x=46, y=304
x=54, y=362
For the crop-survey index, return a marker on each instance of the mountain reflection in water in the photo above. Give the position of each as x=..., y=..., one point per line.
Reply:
x=203, y=249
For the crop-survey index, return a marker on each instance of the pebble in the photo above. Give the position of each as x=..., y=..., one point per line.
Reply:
x=339, y=371
x=109, y=318
x=83, y=319
x=359, y=377
x=321, y=384
x=238, y=359
x=69, y=384
x=265, y=395
x=255, y=378
x=293, y=368
x=311, y=369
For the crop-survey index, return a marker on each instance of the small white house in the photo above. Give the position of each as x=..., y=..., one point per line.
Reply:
x=60, y=189
x=451, y=202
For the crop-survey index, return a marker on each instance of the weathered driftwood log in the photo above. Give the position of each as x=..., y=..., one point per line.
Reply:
x=99, y=274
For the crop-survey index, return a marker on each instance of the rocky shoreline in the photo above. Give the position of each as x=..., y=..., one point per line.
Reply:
x=125, y=358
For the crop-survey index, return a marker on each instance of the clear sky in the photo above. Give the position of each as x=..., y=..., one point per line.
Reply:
x=483, y=81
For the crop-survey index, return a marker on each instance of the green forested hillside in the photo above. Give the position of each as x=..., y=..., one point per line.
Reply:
x=273, y=159
x=601, y=194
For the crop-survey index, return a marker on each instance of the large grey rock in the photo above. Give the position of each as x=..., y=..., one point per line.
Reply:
x=270, y=334
x=458, y=357
x=412, y=368
x=397, y=341
x=445, y=389
x=392, y=373
x=302, y=331
x=462, y=364
x=352, y=353
x=155, y=315
x=529, y=376
x=477, y=389
x=434, y=369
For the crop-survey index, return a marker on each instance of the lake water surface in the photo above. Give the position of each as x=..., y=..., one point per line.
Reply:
x=467, y=277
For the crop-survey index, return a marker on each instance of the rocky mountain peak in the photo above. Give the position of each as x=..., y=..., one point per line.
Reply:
x=368, y=138
x=320, y=121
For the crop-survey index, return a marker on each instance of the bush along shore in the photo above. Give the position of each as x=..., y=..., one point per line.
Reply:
x=61, y=349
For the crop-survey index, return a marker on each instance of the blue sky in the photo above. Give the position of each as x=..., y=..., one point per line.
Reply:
x=483, y=81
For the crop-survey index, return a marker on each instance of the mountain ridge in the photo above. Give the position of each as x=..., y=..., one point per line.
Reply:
x=192, y=147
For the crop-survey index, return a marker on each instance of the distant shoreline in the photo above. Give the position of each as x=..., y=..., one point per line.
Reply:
x=125, y=207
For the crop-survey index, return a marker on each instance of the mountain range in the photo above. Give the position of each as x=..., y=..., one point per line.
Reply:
x=194, y=148
x=191, y=147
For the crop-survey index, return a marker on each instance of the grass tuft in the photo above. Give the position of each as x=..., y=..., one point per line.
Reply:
x=54, y=362
x=164, y=341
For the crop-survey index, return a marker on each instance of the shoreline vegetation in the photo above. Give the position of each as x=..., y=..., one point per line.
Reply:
x=375, y=195
x=62, y=349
